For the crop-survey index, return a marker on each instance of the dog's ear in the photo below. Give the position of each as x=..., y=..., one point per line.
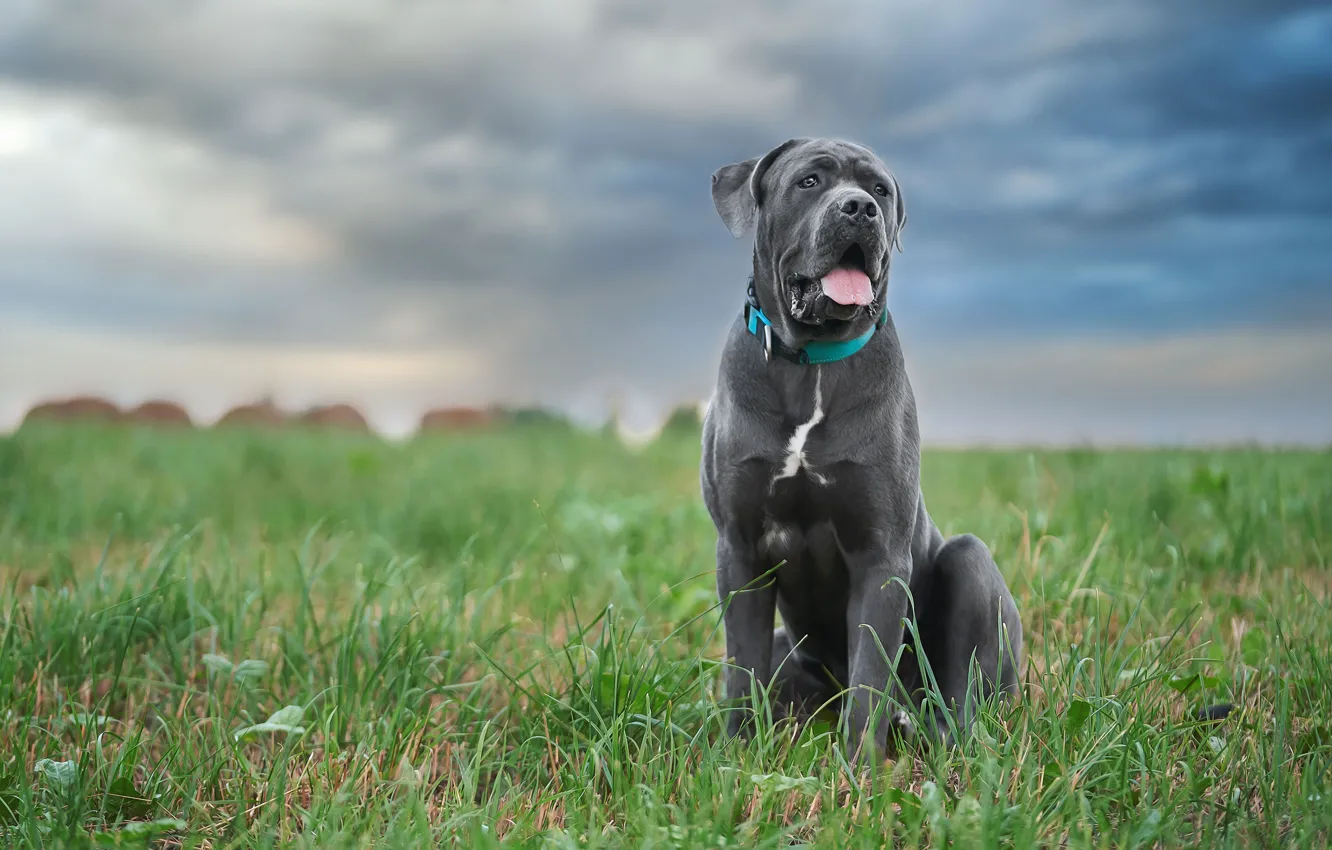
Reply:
x=899, y=206
x=737, y=190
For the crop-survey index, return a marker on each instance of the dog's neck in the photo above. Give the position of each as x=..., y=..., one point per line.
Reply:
x=815, y=352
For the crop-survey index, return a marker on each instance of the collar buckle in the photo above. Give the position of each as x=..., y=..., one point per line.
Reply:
x=767, y=343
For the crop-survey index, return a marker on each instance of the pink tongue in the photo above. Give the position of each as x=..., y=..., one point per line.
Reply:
x=848, y=286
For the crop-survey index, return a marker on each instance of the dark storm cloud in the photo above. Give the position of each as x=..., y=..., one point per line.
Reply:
x=1133, y=167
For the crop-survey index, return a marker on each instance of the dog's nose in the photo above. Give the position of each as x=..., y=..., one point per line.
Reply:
x=859, y=206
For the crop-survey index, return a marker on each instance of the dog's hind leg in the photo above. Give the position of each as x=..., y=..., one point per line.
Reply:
x=964, y=612
x=800, y=686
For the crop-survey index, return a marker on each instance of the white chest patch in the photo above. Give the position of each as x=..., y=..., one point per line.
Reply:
x=795, y=450
x=776, y=539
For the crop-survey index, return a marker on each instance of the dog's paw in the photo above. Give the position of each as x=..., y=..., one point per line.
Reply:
x=900, y=724
x=1214, y=713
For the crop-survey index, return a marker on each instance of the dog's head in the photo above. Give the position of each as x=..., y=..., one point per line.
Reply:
x=826, y=215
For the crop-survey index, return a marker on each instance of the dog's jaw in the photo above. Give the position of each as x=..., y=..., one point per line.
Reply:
x=811, y=311
x=802, y=292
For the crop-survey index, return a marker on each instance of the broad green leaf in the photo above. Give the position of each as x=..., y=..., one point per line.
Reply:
x=124, y=800
x=155, y=827
x=1147, y=831
x=250, y=670
x=1184, y=684
x=964, y=826
x=59, y=774
x=139, y=834
x=284, y=721
x=1076, y=715
x=219, y=664
x=288, y=715
x=10, y=805
x=617, y=692
x=933, y=802
x=1215, y=651
x=770, y=782
x=1254, y=647
x=96, y=720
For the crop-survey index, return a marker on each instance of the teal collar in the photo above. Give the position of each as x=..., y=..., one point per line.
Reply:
x=812, y=353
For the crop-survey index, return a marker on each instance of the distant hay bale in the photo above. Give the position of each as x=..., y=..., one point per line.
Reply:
x=343, y=417
x=76, y=409
x=159, y=412
x=259, y=414
x=457, y=419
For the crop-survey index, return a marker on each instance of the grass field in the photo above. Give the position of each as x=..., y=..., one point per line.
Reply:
x=511, y=639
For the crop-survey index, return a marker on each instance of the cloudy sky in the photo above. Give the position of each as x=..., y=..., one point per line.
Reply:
x=1119, y=212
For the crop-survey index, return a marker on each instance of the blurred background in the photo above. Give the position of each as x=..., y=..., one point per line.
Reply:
x=1118, y=213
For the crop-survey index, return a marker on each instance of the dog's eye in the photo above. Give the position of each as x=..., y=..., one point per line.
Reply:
x=881, y=190
x=809, y=182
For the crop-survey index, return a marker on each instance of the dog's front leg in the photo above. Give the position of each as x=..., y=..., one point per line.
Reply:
x=875, y=613
x=750, y=600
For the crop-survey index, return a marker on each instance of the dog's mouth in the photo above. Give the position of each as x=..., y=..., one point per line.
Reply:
x=839, y=295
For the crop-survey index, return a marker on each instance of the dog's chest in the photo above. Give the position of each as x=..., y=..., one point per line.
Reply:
x=806, y=431
x=833, y=495
x=815, y=497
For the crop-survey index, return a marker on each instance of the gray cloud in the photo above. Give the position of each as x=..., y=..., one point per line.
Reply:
x=529, y=180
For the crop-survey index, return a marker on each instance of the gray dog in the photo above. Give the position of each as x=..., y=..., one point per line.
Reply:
x=811, y=461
